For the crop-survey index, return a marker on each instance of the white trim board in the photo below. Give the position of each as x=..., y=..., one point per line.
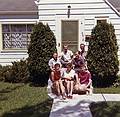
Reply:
x=80, y=20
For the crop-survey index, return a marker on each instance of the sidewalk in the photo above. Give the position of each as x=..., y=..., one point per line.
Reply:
x=79, y=105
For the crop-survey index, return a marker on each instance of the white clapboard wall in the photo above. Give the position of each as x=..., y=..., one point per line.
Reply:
x=89, y=9
x=49, y=10
x=6, y=58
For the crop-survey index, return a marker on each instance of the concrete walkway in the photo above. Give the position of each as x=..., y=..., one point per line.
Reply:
x=79, y=105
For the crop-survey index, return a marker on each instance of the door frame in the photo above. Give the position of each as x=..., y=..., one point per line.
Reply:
x=81, y=35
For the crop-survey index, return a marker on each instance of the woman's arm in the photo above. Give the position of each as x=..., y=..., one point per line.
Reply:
x=77, y=79
x=89, y=83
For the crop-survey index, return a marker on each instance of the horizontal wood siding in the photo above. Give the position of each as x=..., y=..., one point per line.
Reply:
x=89, y=9
x=7, y=58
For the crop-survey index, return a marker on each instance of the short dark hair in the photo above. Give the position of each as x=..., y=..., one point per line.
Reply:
x=57, y=64
x=69, y=64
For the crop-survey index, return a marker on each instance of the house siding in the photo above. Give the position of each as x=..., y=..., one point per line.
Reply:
x=48, y=12
x=89, y=9
x=7, y=56
x=1, y=36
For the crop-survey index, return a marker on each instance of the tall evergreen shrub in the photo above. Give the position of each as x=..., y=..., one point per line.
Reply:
x=40, y=50
x=102, y=55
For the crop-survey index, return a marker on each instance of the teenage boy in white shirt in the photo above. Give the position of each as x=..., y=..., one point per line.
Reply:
x=66, y=56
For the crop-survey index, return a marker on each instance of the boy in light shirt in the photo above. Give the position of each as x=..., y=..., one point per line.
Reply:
x=66, y=56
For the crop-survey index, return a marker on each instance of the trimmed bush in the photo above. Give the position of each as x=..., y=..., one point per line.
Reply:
x=16, y=73
x=20, y=71
x=40, y=50
x=102, y=55
x=117, y=82
x=4, y=70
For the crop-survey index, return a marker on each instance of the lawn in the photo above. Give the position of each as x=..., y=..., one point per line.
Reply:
x=110, y=90
x=105, y=109
x=18, y=100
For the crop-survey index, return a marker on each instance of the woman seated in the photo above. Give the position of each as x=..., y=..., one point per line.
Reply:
x=78, y=62
x=68, y=77
x=85, y=82
x=57, y=86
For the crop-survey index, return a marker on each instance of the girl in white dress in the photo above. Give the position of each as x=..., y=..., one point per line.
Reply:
x=68, y=77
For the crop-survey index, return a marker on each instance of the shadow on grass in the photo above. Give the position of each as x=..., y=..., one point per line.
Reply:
x=39, y=110
x=3, y=98
x=31, y=84
x=10, y=89
x=7, y=90
x=105, y=109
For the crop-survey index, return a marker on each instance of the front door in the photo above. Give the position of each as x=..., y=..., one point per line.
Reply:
x=69, y=34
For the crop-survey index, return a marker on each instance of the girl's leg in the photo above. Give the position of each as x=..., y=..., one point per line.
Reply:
x=89, y=91
x=62, y=88
x=58, y=88
x=71, y=87
x=68, y=87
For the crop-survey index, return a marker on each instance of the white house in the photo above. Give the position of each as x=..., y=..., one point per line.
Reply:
x=17, y=18
x=73, y=20
x=70, y=20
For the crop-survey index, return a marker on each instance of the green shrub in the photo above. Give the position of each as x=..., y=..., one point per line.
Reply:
x=16, y=73
x=117, y=82
x=20, y=71
x=4, y=70
x=40, y=50
x=102, y=55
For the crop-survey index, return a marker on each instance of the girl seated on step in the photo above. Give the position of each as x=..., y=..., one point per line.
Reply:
x=68, y=77
x=85, y=83
x=57, y=86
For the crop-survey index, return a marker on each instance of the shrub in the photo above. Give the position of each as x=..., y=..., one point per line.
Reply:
x=16, y=73
x=4, y=70
x=19, y=71
x=102, y=55
x=117, y=82
x=40, y=50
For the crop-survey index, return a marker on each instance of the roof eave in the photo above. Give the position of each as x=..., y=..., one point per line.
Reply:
x=18, y=12
x=112, y=7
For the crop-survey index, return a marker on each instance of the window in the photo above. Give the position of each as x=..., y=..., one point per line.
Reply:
x=16, y=36
x=101, y=21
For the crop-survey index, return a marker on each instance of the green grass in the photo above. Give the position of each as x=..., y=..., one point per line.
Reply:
x=105, y=109
x=111, y=90
x=21, y=100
